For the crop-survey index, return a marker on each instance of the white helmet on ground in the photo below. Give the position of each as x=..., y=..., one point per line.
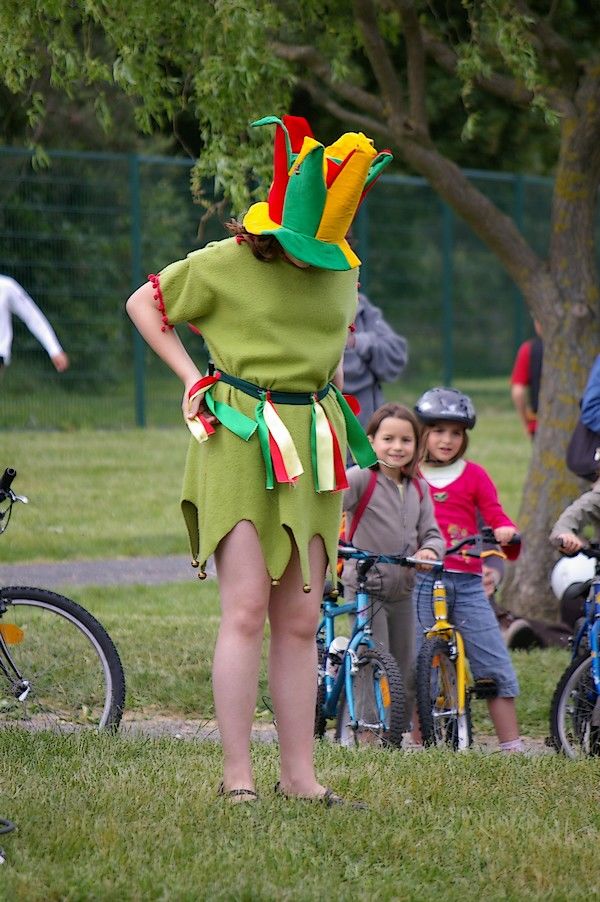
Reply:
x=569, y=581
x=570, y=573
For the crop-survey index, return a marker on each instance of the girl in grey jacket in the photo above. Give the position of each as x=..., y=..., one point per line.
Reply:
x=398, y=519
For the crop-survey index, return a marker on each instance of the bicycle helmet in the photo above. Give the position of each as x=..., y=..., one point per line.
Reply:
x=446, y=404
x=570, y=581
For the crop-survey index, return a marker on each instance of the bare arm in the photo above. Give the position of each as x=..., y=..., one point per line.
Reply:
x=143, y=312
x=520, y=399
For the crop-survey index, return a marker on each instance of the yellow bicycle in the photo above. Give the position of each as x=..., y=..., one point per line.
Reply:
x=444, y=685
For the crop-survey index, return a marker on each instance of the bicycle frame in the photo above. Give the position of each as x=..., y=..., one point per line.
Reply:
x=361, y=635
x=591, y=628
x=442, y=627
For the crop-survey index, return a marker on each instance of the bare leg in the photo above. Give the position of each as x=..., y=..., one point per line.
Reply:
x=245, y=589
x=504, y=717
x=294, y=616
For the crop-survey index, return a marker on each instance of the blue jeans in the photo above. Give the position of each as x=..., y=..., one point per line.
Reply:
x=471, y=613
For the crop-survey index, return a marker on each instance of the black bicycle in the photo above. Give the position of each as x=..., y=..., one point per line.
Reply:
x=59, y=668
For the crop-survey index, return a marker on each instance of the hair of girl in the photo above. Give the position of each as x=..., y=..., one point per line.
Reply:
x=264, y=247
x=425, y=435
x=400, y=412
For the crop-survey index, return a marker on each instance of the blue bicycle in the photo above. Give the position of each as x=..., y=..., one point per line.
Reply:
x=575, y=710
x=360, y=684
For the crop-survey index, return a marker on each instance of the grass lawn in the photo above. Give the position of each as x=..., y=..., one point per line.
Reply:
x=97, y=493
x=107, y=818
x=166, y=634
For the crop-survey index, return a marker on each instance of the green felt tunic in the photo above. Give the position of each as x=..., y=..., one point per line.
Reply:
x=283, y=328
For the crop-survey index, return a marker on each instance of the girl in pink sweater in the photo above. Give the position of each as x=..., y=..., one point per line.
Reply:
x=461, y=490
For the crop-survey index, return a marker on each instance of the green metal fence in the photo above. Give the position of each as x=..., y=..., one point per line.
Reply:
x=82, y=233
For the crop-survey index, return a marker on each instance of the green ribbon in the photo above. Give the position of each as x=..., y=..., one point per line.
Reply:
x=263, y=438
x=238, y=423
x=360, y=447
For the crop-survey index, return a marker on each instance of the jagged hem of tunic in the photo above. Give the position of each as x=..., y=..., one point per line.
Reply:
x=190, y=515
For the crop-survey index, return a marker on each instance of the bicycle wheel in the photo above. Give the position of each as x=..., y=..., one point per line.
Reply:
x=59, y=669
x=575, y=712
x=437, y=698
x=378, y=694
x=320, y=720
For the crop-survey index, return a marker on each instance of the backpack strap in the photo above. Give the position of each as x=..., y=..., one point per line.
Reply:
x=362, y=504
x=417, y=484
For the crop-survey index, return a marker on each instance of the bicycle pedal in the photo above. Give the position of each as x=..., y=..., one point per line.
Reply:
x=486, y=687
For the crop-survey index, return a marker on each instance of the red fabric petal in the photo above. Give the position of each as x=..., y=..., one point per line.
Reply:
x=339, y=470
x=298, y=128
x=208, y=426
x=281, y=474
x=331, y=174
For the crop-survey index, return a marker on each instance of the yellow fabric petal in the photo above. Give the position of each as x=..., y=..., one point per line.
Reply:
x=308, y=145
x=325, y=468
x=197, y=429
x=284, y=440
x=257, y=219
x=345, y=144
x=343, y=197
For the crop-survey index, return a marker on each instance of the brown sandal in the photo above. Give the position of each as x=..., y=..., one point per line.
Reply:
x=329, y=798
x=237, y=796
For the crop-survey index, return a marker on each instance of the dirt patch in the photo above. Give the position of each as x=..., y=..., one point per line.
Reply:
x=158, y=726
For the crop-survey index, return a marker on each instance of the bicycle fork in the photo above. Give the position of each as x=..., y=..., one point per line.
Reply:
x=456, y=647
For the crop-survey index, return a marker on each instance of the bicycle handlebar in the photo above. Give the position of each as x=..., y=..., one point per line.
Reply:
x=591, y=550
x=349, y=552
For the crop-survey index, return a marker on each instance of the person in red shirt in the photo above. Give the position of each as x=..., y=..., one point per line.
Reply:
x=525, y=380
x=462, y=491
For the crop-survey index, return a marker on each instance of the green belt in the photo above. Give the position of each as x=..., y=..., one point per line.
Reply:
x=244, y=427
x=277, y=397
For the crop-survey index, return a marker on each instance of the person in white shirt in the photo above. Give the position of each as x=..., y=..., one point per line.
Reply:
x=15, y=300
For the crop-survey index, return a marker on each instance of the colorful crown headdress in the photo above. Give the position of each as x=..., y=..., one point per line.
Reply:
x=316, y=192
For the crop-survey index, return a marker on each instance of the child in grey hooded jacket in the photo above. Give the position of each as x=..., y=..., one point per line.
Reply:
x=397, y=519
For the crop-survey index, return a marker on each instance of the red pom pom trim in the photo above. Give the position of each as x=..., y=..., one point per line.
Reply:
x=158, y=296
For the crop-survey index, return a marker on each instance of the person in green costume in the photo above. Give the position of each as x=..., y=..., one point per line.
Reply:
x=265, y=467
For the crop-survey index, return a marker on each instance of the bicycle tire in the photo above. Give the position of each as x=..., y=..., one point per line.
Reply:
x=70, y=676
x=320, y=719
x=437, y=698
x=373, y=666
x=575, y=712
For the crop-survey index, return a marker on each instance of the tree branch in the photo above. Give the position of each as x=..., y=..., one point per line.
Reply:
x=494, y=227
x=415, y=64
x=502, y=86
x=552, y=43
x=365, y=123
x=318, y=65
x=381, y=63
x=499, y=85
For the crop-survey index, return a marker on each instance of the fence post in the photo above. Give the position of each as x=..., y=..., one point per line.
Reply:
x=519, y=216
x=139, y=348
x=447, y=292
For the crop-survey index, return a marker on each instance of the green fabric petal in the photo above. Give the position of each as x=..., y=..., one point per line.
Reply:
x=360, y=447
x=306, y=195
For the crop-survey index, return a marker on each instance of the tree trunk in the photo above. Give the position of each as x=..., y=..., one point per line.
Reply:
x=567, y=309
